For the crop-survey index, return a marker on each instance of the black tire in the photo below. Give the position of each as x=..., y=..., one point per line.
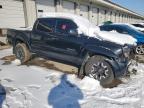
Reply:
x=99, y=69
x=22, y=52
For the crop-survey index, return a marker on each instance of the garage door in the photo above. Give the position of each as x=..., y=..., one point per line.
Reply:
x=101, y=16
x=45, y=6
x=124, y=18
x=108, y=16
x=121, y=18
x=117, y=17
x=68, y=7
x=113, y=17
x=94, y=17
x=84, y=11
x=11, y=14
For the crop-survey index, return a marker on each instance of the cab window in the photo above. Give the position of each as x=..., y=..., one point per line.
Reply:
x=64, y=26
x=46, y=25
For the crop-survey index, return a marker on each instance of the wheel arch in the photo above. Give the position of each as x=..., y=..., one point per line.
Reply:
x=107, y=58
x=89, y=53
x=19, y=38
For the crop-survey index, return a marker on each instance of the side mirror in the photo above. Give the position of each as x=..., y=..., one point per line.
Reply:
x=73, y=32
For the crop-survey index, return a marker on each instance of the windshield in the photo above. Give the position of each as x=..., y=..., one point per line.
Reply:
x=87, y=28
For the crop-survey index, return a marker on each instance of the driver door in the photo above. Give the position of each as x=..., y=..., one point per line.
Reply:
x=69, y=43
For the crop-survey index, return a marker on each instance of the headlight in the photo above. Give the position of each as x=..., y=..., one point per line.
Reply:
x=120, y=55
x=126, y=51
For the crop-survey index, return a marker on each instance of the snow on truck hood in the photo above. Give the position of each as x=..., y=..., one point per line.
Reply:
x=118, y=38
x=91, y=30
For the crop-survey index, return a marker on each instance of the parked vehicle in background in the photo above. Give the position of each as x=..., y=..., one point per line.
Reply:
x=72, y=39
x=142, y=23
x=126, y=29
x=139, y=27
x=116, y=37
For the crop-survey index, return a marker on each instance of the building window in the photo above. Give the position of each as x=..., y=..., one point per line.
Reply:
x=40, y=10
x=105, y=12
x=0, y=6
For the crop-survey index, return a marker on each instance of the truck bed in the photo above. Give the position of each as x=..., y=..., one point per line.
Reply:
x=12, y=33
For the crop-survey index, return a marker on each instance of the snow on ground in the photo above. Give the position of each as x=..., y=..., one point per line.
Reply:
x=37, y=87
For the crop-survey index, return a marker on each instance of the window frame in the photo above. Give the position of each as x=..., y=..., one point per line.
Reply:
x=38, y=22
x=56, y=26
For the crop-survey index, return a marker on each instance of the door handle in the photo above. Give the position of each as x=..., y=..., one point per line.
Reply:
x=50, y=39
x=69, y=49
x=53, y=38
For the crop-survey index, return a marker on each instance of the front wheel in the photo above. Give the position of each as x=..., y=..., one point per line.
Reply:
x=140, y=49
x=22, y=52
x=97, y=68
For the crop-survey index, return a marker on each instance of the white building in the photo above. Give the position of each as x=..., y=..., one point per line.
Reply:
x=23, y=13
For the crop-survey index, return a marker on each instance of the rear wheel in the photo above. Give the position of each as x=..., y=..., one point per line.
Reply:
x=22, y=52
x=97, y=68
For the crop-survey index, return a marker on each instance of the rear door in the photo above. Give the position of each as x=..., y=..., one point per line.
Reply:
x=43, y=37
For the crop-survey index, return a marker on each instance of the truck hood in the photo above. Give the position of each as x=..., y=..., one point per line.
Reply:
x=118, y=38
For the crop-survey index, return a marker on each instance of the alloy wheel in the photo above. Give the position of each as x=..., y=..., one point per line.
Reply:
x=140, y=49
x=99, y=71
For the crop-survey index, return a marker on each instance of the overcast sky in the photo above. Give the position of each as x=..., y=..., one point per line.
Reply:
x=135, y=5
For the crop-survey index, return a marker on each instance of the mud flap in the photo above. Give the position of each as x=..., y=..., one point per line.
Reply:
x=81, y=73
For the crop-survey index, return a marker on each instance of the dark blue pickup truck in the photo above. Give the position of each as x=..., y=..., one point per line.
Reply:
x=58, y=38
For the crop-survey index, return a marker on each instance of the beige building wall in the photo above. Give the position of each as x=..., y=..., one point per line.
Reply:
x=23, y=13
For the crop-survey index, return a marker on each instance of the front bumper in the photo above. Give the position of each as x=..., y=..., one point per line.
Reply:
x=132, y=53
x=119, y=68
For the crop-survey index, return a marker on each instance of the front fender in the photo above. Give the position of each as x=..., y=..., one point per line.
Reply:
x=100, y=50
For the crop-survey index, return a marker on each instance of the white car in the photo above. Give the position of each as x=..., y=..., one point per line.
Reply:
x=139, y=27
x=90, y=29
x=142, y=23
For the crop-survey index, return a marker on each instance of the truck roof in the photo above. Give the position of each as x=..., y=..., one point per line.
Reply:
x=83, y=24
x=90, y=29
x=62, y=15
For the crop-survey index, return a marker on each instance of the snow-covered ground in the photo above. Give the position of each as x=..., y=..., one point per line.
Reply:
x=39, y=87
